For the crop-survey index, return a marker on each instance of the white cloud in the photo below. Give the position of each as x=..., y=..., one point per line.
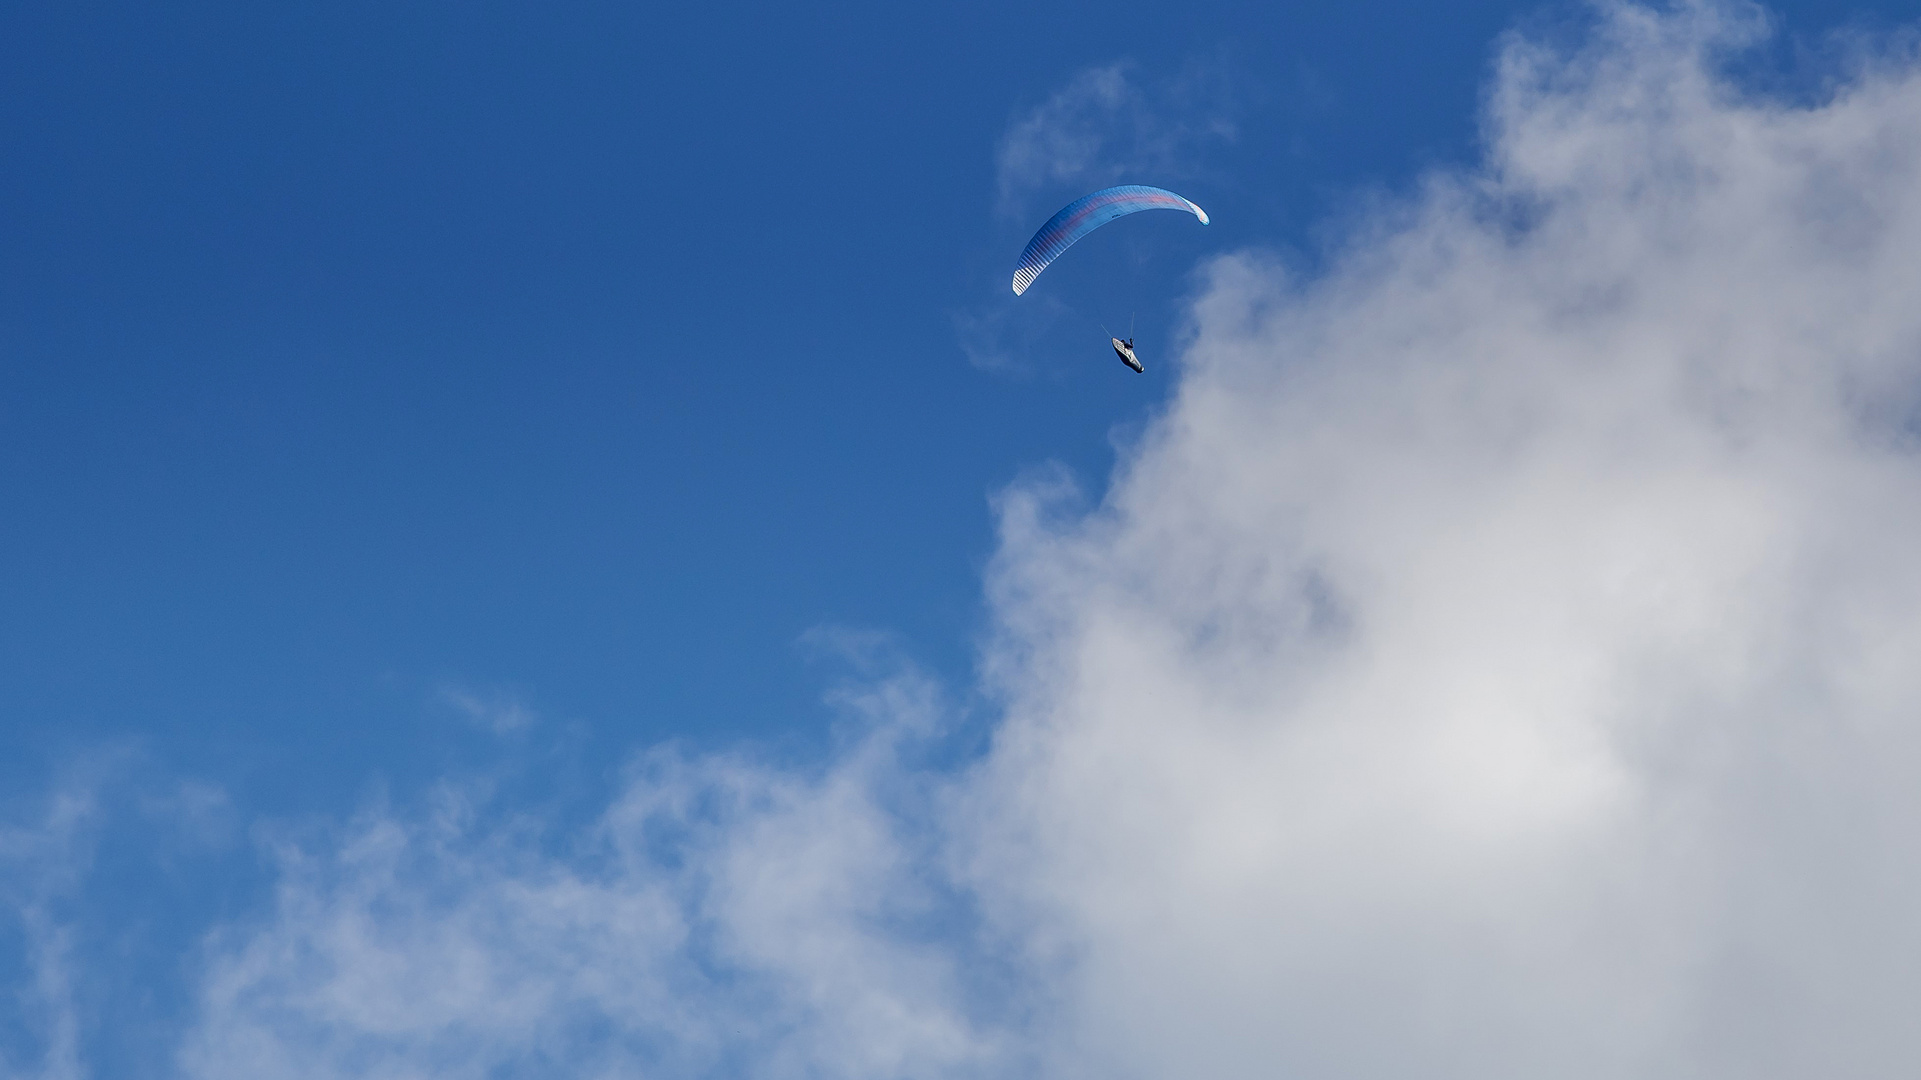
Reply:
x=90, y=871
x=498, y=711
x=1108, y=125
x=1001, y=336
x=1498, y=661
x=722, y=915
x=42, y=863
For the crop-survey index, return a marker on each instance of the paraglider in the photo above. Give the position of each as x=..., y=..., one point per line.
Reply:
x=1124, y=348
x=1083, y=216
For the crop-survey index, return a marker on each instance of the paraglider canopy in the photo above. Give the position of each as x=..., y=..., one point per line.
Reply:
x=1083, y=216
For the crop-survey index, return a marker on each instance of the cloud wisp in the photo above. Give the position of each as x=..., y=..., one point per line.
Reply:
x=496, y=711
x=721, y=917
x=1107, y=125
x=1496, y=661
x=43, y=862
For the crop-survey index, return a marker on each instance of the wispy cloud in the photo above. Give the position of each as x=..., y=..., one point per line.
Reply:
x=43, y=862
x=499, y=711
x=722, y=915
x=91, y=866
x=1110, y=125
x=997, y=336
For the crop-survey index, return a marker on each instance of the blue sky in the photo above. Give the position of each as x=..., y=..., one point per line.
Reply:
x=591, y=354
x=402, y=396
